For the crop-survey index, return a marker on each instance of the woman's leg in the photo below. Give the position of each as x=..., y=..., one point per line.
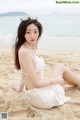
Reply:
x=68, y=76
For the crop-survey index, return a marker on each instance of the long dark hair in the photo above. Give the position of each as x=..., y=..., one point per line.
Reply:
x=20, y=39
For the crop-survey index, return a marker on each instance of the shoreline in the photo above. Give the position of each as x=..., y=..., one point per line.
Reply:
x=56, y=44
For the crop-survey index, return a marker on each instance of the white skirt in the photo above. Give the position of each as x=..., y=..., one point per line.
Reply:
x=47, y=97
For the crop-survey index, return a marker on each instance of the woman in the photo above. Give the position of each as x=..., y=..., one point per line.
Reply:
x=40, y=93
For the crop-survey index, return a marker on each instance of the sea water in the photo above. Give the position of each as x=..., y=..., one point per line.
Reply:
x=57, y=28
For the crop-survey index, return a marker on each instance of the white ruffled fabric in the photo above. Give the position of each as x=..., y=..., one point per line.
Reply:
x=47, y=97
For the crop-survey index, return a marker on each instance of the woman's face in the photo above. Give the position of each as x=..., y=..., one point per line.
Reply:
x=31, y=34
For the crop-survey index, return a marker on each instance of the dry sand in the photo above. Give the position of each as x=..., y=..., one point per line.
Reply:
x=15, y=104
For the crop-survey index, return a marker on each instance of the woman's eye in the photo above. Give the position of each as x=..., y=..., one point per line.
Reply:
x=27, y=32
x=35, y=31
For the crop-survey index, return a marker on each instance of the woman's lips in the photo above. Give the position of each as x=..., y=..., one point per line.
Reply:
x=33, y=40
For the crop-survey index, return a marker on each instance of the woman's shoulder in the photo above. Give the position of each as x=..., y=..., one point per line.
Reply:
x=24, y=51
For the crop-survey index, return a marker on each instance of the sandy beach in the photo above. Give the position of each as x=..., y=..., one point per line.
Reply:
x=15, y=103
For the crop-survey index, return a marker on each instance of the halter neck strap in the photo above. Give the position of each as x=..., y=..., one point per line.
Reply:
x=33, y=50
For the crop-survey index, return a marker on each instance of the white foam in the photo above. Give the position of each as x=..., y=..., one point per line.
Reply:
x=45, y=43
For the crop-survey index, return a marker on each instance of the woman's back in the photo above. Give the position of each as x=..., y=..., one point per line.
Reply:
x=37, y=62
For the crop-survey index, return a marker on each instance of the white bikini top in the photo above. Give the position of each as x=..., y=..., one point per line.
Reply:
x=39, y=64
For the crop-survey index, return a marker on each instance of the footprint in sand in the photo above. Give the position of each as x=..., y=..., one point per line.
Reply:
x=4, y=104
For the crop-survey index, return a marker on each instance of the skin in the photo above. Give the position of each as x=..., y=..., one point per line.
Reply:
x=59, y=75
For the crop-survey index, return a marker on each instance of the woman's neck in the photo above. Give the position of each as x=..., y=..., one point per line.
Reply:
x=30, y=46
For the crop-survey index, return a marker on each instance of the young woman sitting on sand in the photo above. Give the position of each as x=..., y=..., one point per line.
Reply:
x=40, y=93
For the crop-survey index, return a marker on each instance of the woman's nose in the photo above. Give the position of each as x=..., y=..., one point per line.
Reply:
x=32, y=35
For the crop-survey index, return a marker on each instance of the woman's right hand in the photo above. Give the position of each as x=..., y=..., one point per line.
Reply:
x=59, y=80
